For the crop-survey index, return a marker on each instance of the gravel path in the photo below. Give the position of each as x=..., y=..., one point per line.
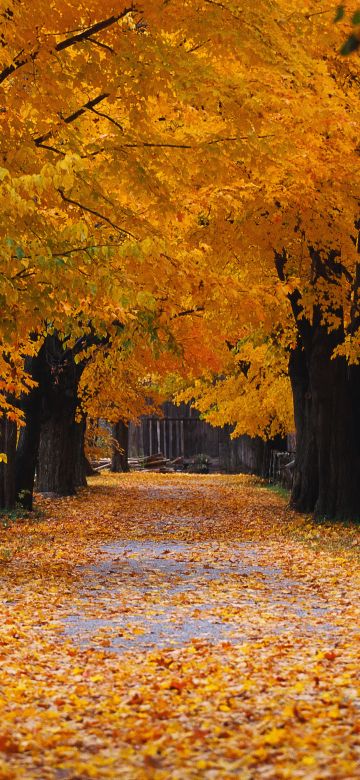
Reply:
x=145, y=594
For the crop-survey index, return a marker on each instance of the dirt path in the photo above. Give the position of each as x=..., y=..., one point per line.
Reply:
x=143, y=594
x=179, y=627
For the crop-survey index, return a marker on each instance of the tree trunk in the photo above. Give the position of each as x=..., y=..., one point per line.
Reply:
x=327, y=415
x=305, y=478
x=120, y=433
x=8, y=433
x=80, y=461
x=47, y=442
x=50, y=440
x=56, y=466
x=326, y=392
x=89, y=471
x=29, y=439
x=58, y=435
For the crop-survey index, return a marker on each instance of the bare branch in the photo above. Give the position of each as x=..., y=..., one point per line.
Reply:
x=86, y=107
x=51, y=148
x=237, y=138
x=95, y=28
x=67, y=42
x=120, y=230
x=160, y=146
x=198, y=46
x=102, y=45
x=186, y=313
x=71, y=118
x=67, y=252
x=109, y=118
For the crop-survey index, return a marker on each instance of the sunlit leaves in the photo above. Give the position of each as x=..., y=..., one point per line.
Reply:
x=134, y=199
x=282, y=692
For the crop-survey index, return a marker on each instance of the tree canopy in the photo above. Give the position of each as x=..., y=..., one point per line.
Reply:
x=179, y=184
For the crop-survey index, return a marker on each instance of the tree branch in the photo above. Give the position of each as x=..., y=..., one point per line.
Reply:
x=187, y=312
x=71, y=118
x=237, y=138
x=67, y=42
x=109, y=118
x=68, y=252
x=294, y=298
x=160, y=146
x=120, y=230
x=102, y=45
x=51, y=148
x=95, y=28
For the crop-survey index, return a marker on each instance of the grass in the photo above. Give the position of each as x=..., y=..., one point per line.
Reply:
x=274, y=487
x=19, y=514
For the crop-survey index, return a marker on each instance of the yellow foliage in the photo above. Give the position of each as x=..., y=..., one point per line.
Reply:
x=253, y=666
x=231, y=134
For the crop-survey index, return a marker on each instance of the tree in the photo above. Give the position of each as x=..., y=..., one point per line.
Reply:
x=120, y=434
x=294, y=210
x=57, y=169
x=235, y=130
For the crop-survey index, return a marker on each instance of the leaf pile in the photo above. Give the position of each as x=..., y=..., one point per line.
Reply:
x=179, y=626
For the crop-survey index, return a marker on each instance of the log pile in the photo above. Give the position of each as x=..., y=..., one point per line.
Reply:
x=158, y=462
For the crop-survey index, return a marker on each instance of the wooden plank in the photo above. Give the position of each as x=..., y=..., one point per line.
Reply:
x=164, y=431
x=158, y=436
x=171, y=438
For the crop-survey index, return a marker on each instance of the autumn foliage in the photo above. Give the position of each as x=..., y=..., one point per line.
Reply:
x=179, y=218
x=179, y=204
x=265, y=682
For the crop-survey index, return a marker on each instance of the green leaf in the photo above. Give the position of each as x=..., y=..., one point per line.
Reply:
x=352, y=44
x=340, y=13
x=356, y=17
x=19, y=252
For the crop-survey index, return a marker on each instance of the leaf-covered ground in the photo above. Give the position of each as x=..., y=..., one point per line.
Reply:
x=178, y=626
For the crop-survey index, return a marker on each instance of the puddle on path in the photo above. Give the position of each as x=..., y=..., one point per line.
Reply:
x=162, y=594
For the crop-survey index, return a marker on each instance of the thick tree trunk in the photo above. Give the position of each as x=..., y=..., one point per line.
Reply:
x=336, y=396
x=326, y=393
x=8, y=433
x=47, y=442
x=29, y=439
x=56, y=465
x=120, y=433
x=305, y=479
x=58, y=435
x=51, y=440
x=80, y=460
x=89, y=471
x=327, y=414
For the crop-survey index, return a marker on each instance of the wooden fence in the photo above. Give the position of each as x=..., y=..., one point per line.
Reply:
x=181, y=433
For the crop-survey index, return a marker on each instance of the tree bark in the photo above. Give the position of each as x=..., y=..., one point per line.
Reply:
x=56, y=466
x=50, y=440
x=327, y=415
x=29, y=439
x=80, y=460
x=89, y=471
x=326, y=393
x=58, y=435
x=120, y=433
x=305, y=476
x=8, y=433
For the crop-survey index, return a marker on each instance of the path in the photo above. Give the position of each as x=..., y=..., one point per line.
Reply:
x=179, y=627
